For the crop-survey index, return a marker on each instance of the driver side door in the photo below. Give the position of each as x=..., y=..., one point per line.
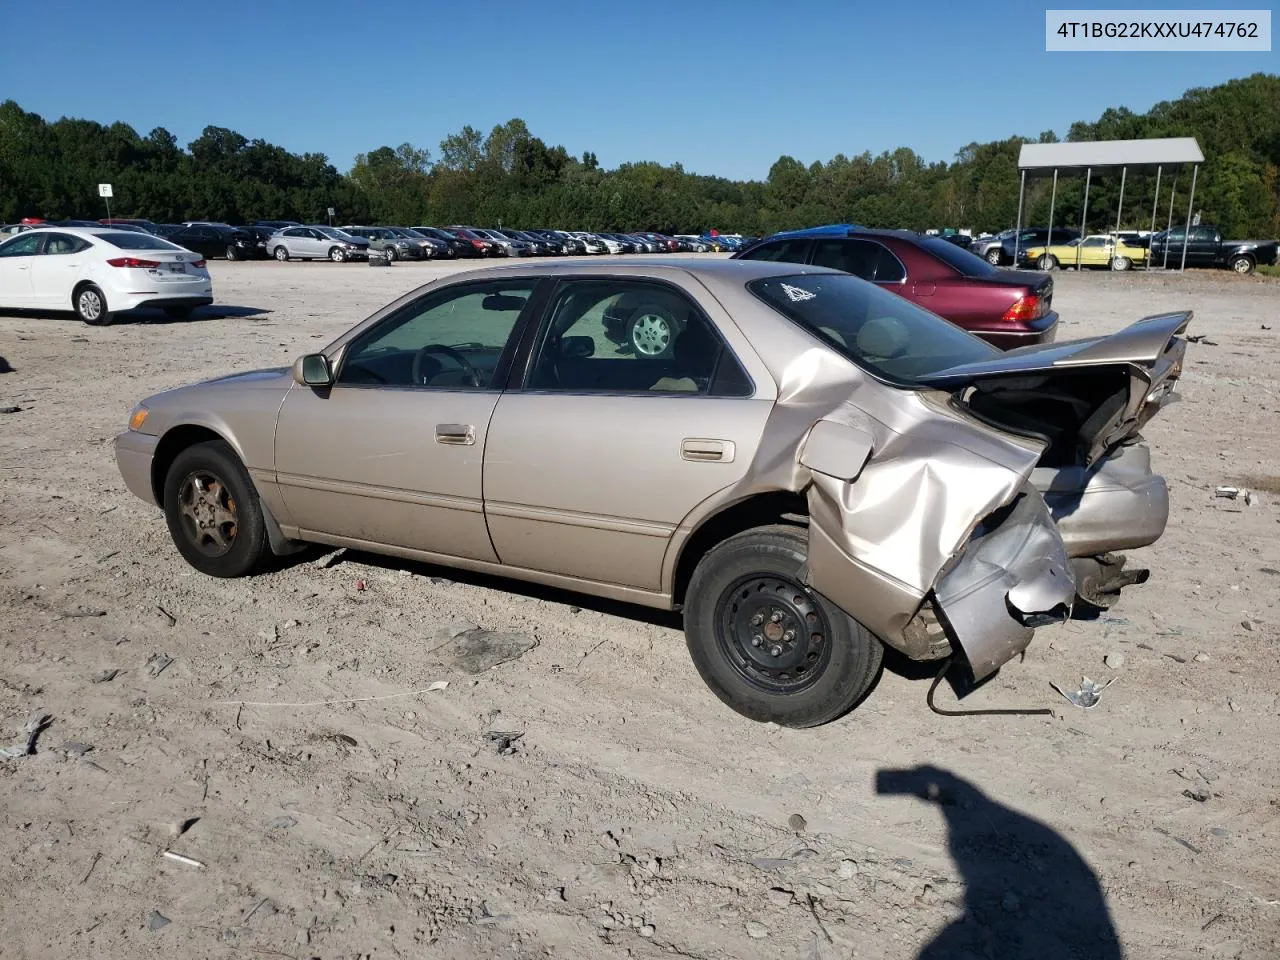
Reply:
x=391, y=454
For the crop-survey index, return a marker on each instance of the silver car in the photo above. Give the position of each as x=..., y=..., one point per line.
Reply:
x=815, y=469
x=316, y=243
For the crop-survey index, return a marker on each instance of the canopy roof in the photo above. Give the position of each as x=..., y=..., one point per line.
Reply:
x=1080, y=154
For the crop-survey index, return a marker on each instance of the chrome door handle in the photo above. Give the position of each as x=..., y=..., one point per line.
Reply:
x=461, y=434
x=720, y=451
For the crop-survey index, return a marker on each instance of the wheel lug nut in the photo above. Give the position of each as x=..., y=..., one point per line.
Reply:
x=756, y=640
x=757, y=620
x=776, y=616
x=789, y=636
x=775, y=651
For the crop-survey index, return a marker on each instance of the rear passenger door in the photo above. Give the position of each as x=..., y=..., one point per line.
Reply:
x=55, y=271
x=593, y=461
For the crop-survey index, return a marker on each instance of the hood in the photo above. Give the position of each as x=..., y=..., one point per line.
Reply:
x=249, y=376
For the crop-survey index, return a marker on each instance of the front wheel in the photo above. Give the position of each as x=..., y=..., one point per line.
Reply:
x=337, y=254
x=392, y=255
x=651, y=333
x=1121, y=263
x=281, y=254
x=767, y=645
x=1241, y=265
x=91, y=306
x=232, y=252
x=1047, y=262
x=993, y=257
x=213, y=512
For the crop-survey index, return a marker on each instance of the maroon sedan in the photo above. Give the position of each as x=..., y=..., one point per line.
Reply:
x=1007, y=308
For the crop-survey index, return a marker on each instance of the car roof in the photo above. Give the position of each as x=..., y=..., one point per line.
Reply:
x=723, y=271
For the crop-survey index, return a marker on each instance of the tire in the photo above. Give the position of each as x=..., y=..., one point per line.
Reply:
x=1121, y=263
x=1241, y=265
x=178, y=313
x=651, y=333
x=993, y=256
x=232, y=252
x=822, y=676
x=90, y=305
x=337, y=254
x=234, y=542
x=392, y=255
x=1047, y=262
x=280, y=253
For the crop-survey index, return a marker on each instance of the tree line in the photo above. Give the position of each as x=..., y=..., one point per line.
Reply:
x=511, y=177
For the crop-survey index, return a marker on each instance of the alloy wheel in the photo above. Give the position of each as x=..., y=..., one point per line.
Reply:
x=208, y=513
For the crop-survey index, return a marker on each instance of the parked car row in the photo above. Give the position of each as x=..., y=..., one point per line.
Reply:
x=290, y=240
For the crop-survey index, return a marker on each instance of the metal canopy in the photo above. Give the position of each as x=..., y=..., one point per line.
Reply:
x=1081, y=155
x=1056, y=158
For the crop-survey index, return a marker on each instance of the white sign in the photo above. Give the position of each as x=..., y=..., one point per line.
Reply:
x=331, y=211
x=104, y=189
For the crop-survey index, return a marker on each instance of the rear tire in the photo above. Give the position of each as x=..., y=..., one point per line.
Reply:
x=768, y=646
x=280, y=253
x=213, y=512
x=1241, y=265
x=1121, y=263
x=90, y=305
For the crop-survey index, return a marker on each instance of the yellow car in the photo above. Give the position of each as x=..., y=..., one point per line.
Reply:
x=1097, y=250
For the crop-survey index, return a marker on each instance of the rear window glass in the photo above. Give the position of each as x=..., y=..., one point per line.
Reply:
x=962, y=260
x=136, y=241
x=881, y=332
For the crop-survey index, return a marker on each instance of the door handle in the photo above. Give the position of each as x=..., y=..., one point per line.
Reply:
x=461, y=434
x=720, y=451
x=924, y=289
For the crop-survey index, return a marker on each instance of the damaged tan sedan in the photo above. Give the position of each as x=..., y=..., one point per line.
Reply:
x=805, y=465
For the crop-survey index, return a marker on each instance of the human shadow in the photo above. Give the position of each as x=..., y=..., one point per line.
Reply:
x=5, y=366
x=1028, y=893
x=151, y=315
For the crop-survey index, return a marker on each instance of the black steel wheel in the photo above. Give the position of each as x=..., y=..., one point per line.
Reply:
x=213, y=512
x=768, y=645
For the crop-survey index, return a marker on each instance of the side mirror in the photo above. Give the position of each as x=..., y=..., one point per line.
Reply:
x=313, y=370
x=577, y=348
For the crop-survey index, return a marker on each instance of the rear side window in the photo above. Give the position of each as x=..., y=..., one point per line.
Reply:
x=863, y=258
x=962, y=261
x=136, y=241
x=785, y=251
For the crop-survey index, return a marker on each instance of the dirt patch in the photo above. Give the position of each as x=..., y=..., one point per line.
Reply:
x=587, y=797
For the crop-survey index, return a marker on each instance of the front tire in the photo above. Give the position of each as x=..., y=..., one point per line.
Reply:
x=90, y=305
x=1047, y=262
x=281, y=254
x=231, y=252
x=1121, y=263
x=392, y=256
x=337, y=254
x=993, y=257
x=213, y=512
x=768, y=646
x=1242, y=265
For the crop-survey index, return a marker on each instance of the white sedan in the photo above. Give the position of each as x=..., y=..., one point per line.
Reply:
x=97, y=272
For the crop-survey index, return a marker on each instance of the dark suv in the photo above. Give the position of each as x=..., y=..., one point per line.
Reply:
x=1007, y=308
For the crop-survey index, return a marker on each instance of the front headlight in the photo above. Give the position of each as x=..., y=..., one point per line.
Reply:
x=138, y=418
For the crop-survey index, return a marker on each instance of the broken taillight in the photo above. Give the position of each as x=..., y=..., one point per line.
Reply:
x=1029, y=306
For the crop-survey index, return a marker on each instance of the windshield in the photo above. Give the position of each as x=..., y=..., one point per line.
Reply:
x=878, y=330
x=331, y=233
x=136, y=241
x=960, y=259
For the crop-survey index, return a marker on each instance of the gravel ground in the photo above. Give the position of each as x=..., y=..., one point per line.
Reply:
x=636, y=816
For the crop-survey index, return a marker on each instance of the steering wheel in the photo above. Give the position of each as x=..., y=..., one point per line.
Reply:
x=472, y=373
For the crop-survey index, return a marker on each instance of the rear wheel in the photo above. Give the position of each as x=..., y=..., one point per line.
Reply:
x=993, y=256
x=767, y=645
x=91, y=306
x=1121, y=263
x=1241, y=265
x=213, y=513
x=337, y=254
x=1047, y=262
x=281, y=253
x=651, y=332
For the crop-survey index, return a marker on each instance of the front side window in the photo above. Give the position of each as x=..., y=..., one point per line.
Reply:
x=786, y=251
x=620, y=336
x=878, y=330
x=23, y=246
x=451, y=338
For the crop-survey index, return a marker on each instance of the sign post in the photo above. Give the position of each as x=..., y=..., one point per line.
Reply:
x=104, y=191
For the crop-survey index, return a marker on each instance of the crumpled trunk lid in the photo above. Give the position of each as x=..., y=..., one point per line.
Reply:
x=1084, y=397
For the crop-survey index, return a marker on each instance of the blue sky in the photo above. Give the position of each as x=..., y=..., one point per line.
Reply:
x=724, y=88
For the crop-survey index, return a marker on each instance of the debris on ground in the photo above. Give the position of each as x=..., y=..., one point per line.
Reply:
x=82, y=612
x=1087, y=695
x=478, y=650
x=756, y=930
x=1202, y=338
x=1201, y=657
x=184, y=860
x=282, y=822
x=1226, y=493
x=329, y=559
x=361, y=586
x=504, y=740
x=1114, y=661
x=797, y=823
x=106, y=676
x=74, y=748
x=10, y=409
x=157, y=663
x=169, y=617
x=31, y=730
x=157, y=920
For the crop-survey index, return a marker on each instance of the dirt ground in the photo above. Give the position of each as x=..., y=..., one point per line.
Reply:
x=636, y=816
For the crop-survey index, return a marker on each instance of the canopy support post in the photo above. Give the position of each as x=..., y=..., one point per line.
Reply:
x=1191, y=205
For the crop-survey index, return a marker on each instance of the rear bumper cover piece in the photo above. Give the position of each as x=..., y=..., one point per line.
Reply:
x=1011, y=577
